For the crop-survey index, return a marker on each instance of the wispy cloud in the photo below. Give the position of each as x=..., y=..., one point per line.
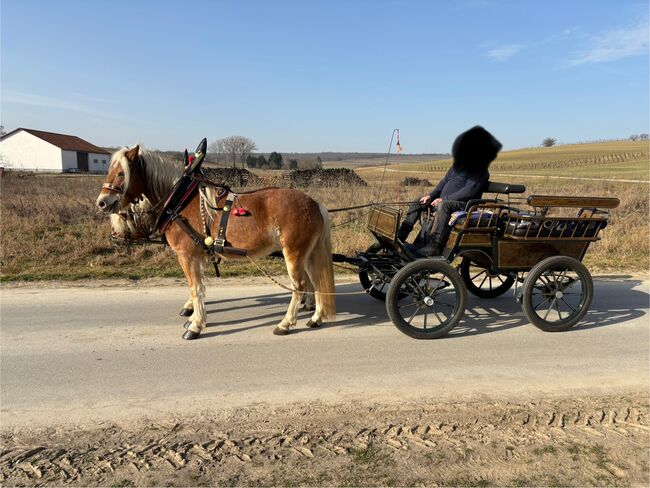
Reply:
x=51, y=102
x=615, y=44
x=504, y=52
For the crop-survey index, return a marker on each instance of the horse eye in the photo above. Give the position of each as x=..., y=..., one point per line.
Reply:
x=121, y=173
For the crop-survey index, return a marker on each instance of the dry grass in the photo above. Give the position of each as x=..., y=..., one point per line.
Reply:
x=51, y=230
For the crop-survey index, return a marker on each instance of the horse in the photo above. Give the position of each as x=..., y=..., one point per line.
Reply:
x=273, y=219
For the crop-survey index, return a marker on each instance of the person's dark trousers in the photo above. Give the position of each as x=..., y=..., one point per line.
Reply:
x=409, y=220
x=440, y=230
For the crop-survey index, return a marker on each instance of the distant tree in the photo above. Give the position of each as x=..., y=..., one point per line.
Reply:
x=643, y=137
x=293, y=164
x=319, y=162
x=2, y=130
x=261, y=161
x=635, y=137
x=549, y=141
x=217, y=149
x=251, y=161
x=235, y=148
x=275, y=160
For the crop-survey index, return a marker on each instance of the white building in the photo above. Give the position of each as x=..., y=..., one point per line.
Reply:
x=37, y=150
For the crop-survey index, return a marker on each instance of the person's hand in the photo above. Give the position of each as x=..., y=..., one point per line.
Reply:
x=436, y=202
x=425, y=200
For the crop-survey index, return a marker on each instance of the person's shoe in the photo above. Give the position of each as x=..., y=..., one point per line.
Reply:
x=431, y=248
x=404, y=230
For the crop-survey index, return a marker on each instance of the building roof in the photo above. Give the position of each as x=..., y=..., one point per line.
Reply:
x=64, y=141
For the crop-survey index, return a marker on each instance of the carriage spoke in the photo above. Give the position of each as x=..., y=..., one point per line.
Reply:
x=486, y=277
x=414, y=314
x=572, y=309
x=541, y=303
x=479, y=274
x=557, y=306
x=407, y=304
x=437, y=316
x=549, y=308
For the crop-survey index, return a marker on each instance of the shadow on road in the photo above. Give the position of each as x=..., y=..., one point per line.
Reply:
x=615, y=302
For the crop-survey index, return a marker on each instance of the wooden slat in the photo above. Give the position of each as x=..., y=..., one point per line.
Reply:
x=578, y=202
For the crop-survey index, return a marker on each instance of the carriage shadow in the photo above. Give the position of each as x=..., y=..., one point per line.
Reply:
x=482, y=315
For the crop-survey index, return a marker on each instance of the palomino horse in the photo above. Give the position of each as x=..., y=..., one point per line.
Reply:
x=277, y=219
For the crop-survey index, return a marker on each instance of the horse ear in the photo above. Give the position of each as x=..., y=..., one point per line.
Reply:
x=132, y=154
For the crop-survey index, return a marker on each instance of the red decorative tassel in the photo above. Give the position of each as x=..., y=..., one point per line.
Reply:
x=241, y=212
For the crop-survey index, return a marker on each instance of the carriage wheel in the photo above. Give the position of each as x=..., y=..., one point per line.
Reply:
x=426, y=299
x=371, y=282
x=481, y=282
x=557, y=293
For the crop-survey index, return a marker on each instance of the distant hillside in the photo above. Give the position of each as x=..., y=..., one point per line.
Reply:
x=617, y=159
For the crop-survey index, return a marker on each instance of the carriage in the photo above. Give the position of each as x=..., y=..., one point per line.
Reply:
x=493, y=245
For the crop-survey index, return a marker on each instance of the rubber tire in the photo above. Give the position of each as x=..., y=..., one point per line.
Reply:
x=561, y=262
x=393, y=296
x=480, y=292
x=365, y=280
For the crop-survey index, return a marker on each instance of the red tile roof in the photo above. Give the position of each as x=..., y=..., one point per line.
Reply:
x=65, y=142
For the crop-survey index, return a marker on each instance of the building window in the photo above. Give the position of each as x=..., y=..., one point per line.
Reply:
x=95, y=161
x=103, y=161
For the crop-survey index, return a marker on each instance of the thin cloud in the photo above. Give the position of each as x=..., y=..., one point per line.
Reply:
x=50, y=102
x=504, y=52
x=615, y=44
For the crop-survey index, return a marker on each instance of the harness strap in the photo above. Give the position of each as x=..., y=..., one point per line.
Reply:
x=220, y=241
x=113, y=188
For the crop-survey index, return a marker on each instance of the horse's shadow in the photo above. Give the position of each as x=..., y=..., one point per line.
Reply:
x=615, y=302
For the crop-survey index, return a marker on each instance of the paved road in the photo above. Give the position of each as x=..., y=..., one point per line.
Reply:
x=102, y=353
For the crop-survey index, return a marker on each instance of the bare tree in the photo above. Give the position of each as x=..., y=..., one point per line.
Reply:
x=217, y=149
x=2, y=130
x=235, y=149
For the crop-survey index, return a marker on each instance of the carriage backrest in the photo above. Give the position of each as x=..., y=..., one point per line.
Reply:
x=505, y=188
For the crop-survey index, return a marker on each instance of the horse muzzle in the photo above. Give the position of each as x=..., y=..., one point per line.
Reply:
x=108, y=203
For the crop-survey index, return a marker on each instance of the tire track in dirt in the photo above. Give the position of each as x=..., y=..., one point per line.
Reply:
x=585, y=441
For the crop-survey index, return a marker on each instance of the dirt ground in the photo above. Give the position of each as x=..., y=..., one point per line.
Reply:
x=589, y=441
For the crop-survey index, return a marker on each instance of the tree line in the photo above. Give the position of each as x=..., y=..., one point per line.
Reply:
x=240, y=150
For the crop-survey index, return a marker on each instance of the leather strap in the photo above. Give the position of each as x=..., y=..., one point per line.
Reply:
x=220, y=241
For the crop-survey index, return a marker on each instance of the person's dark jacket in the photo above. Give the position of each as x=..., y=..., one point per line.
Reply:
x=460, y=185
x=473, y=151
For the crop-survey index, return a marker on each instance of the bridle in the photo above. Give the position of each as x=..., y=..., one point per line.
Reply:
x=119, y=189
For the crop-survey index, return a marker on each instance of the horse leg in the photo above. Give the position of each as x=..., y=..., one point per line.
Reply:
x=308, y=301
x=188, y=308
x=192, y=267
x=318, y=267
x=297, y=276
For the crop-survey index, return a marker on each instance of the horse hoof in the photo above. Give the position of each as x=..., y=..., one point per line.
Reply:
x=190, y=335
x=280, y=331
x=314, y=324
x=186, y=325
x=186, y=312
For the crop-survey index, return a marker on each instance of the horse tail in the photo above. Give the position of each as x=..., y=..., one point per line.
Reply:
x=323, y=270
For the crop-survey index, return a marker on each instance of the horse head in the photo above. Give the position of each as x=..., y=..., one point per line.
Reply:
x=123, y=184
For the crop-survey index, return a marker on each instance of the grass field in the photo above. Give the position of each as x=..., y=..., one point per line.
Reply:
x=51, y=229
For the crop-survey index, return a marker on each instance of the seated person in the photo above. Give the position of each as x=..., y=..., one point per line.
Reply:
x=472, y=152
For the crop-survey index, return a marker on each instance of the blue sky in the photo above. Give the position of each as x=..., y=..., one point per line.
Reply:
x=327, y=75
